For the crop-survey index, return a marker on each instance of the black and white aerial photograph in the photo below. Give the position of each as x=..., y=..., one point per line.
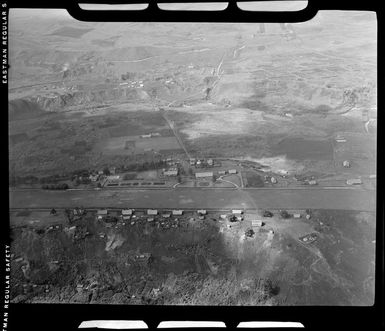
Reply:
x=198, y=164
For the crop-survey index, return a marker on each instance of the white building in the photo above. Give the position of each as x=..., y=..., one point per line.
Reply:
x=340, y=139
x=127, y=212
x=152, y=212
x=102, y=212
x=232, y=171
x=346, y=164
x=356, y=181
x=256, y=223
x=177, y=212
x=204, y=175
x=237, y=212
x=202, y=212
x=171, y=172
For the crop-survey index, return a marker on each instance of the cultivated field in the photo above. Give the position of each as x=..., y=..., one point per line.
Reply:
x=230, y=90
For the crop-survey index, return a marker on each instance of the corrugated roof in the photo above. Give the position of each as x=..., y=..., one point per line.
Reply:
x=204, y=174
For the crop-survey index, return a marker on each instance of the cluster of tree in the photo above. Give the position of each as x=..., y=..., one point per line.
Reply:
x=271, y=288
x=82, y=180
x=17, y=180
x=129, y=176
x=285, y=214
x=62, y=186
x=81, y=172
x=128, y=75
x=53, y=179
x=249, y=233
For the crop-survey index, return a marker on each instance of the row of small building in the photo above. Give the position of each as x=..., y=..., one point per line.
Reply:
x=254, y=218
x=128, y=213
x=206, y=174
x=235, y=215
x=200, y=163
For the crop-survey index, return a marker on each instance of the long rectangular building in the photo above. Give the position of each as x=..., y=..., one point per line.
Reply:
x=355, y=181
x=207, y=174
x=177, y=212
x=152, y=212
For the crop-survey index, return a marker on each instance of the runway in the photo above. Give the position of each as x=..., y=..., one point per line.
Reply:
x=312, y=198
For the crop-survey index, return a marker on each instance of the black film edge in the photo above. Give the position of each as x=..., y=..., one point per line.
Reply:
x=231, y=14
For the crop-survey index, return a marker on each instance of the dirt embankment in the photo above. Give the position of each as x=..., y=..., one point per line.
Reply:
x=60, y=101
x=23, y=109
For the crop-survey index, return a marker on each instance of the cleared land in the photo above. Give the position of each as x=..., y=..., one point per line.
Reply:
x=195, y=262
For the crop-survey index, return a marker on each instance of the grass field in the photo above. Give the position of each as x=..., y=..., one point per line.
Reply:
x=124, y=145
x=252, y=179
x=300, y=149
x=360, y=151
